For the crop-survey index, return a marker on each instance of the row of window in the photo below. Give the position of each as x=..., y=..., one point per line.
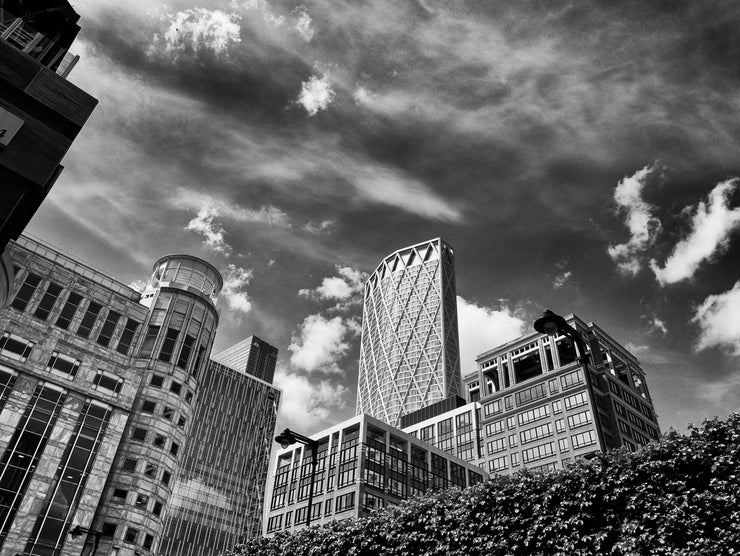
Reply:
x=141, y=434
x=341, y=504
x=69, y=309
x=132, y=534
x=539, y=432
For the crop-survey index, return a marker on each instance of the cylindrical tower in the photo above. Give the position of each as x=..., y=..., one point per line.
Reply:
x=171, y=354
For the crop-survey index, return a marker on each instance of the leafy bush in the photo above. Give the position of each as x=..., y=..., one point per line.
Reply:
x=680, y=497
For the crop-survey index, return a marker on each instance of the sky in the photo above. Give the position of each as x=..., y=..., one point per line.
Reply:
x=578, y=156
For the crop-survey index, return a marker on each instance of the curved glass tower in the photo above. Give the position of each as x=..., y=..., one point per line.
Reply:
x=409, y=353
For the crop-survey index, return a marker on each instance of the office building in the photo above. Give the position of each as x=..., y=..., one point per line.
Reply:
x=409, y=353
x=252, y=356
x=544, y=403
x=97, y=383
x=41, y=112
x=218, y=493
x=362, y=464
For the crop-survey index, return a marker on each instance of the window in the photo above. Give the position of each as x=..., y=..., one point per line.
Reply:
x=15, y=347
x=563, y=445
x=497, y=445
x=176, y=388
x=147, y=346
x=583, y=439
x=127, y=336
x=327, y=506
x=62, y=365
x=181, y=421
x=166, y=477
x=572, y=379
x=497, y=464
x=148, y=540
x=345, y=502
x=157, y=381
x=119, y=495
x=174, y=448
x=619, y=408
x=157, y=508
x=108, y=530
x=47, y=301
x=513, y=441
x=106, y=331
x=129, y=464
x=168, y=345
x=492, y=408
x=535, y=414
x=511, y=422
x=139, y=435
x=559, y=425
x=371, y=502
x=494, y=428
x=185, y=350
x=68, y=311
x=107, y=381
x=579, y=419
x=531, y=394
x=624, y=428
x=538, y=452
x=142, y=500
x=148, y=406
x=557, y=406
x=274, y=523
x=536, y=433
x=515, y=459
x=576, y=400
x=553, y=385
x=131, y=535
x=25, y=292
x=159, y=440
x=168, y=413
x=88, y=319
x=188, y=397
x=150, y=469
x=7, y=380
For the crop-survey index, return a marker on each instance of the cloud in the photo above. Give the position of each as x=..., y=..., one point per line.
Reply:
x=213, y=233
x=236, y=279
x=362, y=96
x=646, y=354
x=346, y=287
x=316, y=94
x=721, y=393
x=321, y=343
x=308, y=405
x=224, y=208
x=262, y=7
x=482, y=328
x=303, y=23
x=709, y=236
x=198, y=30
x=658, y=324
x=138, y=285
x=718, y=318
x=323, y=227
x=561, y=279
x=643, y=226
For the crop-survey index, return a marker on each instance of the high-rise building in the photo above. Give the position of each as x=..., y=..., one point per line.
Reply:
x=252, y=356
x=544, y=403
x=97, y=383
x=409, y=353
x=362, y=464
x=218, y=493
x=41, y=112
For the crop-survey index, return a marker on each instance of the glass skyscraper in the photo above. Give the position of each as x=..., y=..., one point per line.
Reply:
x=409, y=353
x=253, y=356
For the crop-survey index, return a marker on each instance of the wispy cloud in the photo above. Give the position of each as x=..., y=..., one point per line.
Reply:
x=709, y=235
x=321, y=343
x=483, y=328
x=209, y=205
x=303, y=23
x=640, y=221
x=214, y=235
x=316, y=94
x=322, y=227
x=198, y=30
x=718, y=318
x=346, y=288
x=561, y=279
x=234, y=291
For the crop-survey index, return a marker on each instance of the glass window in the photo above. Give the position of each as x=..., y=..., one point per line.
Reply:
x=157, y=381
x=68, y=310
x=15, y=347
x=47, y=301
x=25, y=292
x=159, y=440
x=106, y=331
x=63, y=365
x=147, y=346
x=119, y=495
x=168, y=345
x=185, y=350
x=150, y=469
x=129, y=464
x=108, y=529
x=88, y=319
x=174, y=448
x=175, y=388
x=127, y=336
x=168, y=413
x=107, y=381
x=166, y=477
x=157, y=508
x=131, y=535
x=142, y=500
x=139, y=434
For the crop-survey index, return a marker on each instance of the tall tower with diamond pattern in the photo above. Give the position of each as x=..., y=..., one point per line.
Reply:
x=409, y=353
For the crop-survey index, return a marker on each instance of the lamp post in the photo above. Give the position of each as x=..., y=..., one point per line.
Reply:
x=288, y=437
x=78, y=530
x=551, y=324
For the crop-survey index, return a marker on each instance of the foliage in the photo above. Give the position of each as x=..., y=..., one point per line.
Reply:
x=680, y=496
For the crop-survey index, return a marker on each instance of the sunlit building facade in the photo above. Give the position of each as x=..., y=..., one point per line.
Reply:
x=362, y=464
x=253, y=356
x=409, y=353
x=97, y=383
x=218, y=493
x=545, y=404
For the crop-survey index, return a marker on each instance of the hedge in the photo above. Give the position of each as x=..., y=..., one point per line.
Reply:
x=679, y=496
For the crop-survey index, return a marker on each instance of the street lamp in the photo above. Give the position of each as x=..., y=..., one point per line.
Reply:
x=551, y=324
x=78, y=531
x=288, y=437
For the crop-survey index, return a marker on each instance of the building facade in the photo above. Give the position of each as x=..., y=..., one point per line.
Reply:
x=362, y=464
x=544, y=403
x=97, y=383
x=409, y=350
x=252, y=356
x=218, y=493
x=41, y=112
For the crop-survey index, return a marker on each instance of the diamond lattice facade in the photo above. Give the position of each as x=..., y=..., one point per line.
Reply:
x=409, y=354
